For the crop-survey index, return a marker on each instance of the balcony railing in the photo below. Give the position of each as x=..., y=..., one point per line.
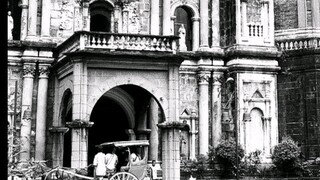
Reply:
x=82, y=40
x=298, y=39
x=255, y=30
x=299, y=44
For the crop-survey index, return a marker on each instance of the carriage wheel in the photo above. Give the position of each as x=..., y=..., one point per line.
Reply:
x=123, y=176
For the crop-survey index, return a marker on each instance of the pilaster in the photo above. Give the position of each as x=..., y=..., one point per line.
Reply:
x=204, y=24
x=155, y=20
x=45, y=18
x=24, y=19
x=195, y=33
x=315, y=4
x=154, y=134
x=216, y=108
x=215, y=16
x=166, y=17
x=32, y=18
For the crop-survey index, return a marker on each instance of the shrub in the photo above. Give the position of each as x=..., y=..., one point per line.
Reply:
x=250, y=164
x=195, y=167
x=285, y=157
x=226, y=154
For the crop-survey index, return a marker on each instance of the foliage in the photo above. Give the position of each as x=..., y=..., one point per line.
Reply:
x=226, y=154
x=31, y=168
x=311, y=168
x=250, y=164
x=285, y=157
x=195, y=167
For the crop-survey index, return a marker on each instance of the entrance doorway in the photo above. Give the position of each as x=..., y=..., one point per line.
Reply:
x=121, y=114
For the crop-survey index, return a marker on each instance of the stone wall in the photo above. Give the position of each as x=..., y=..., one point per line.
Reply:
x=286, y=14
x=299, y=102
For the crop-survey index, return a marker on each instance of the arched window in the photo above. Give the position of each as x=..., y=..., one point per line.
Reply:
x=183, y=17
x=100, y=16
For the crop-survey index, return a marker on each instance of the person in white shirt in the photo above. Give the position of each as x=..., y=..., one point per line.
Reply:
x=99, y=163
x=111, y=160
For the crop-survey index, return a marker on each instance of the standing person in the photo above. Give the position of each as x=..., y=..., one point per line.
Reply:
x=99, y=163
x=111, y=161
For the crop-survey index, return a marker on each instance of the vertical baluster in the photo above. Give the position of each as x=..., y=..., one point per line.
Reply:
x=254, y=30
x=291, y=45
x=111, y=42
x=154, y=43
x=104, y=42
x=300, y=44
x=93, y=41
x=168, y=47
x=250, y=30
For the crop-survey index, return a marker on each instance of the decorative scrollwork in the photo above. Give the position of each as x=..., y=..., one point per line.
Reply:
x=44, y=71
x=29, y=70
x=217, y=78
x=203, y=78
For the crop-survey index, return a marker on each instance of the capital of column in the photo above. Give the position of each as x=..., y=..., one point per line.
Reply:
x=193, y=19
x=203, y=78
x=29, y=70
x=217, y=79
x=44, y=71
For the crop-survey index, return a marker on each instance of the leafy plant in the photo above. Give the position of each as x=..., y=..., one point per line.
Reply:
x=195, y=167
x=250, y=163
x=285, y=157
x=226, y=154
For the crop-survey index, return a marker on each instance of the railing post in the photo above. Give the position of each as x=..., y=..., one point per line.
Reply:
x=83, y=38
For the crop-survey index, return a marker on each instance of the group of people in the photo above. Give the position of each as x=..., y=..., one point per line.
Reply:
x=104, y=163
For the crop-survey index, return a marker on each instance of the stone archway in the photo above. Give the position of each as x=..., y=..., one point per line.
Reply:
x=125, y=112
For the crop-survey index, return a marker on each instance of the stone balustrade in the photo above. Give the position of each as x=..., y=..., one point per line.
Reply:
x=82, y=40
x=299, y=44
x=255, y=30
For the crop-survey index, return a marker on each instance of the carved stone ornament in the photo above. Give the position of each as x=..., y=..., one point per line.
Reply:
x=217, y=78
x=29, y=70
x=44, y=71
x=203, y=78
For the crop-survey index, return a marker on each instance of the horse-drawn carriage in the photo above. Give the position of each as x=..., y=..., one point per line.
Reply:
x=127, y=168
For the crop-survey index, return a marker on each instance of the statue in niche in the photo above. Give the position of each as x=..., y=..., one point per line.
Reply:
x=134, y=21
x=182, y=40
x=10, y=26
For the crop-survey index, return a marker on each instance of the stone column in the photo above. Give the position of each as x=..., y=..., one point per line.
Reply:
x=155, y=17
x=45, y=18
x=203, y=112
x=244, y=29
x=24, y=19
x=166, y=17
x=216, y=109
x=315, y=13
x=28, y=75
x=41, y=112
x=215, y=17
x=118, y=18
x=154, y=136
x=32, y=18
x=195, y=33
x=204, y=24
x=193, y=135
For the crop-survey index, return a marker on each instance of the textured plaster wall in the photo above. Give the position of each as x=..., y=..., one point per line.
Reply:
x=286, y=14
x=299, y=103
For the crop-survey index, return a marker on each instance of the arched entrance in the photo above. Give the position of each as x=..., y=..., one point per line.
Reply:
x=125, y=112
x=66, y=116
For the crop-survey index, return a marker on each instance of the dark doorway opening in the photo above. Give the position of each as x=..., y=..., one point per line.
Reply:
x=100, y=20
x=67, y=143
x=110, y=123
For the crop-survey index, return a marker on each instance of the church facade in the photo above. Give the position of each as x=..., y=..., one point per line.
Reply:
x=183, y=74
